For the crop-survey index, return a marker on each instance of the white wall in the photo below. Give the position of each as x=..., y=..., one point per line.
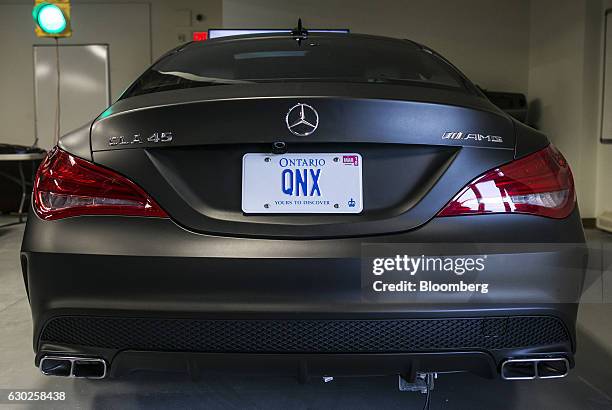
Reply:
x=565, y=87
x=592, y=97
x=166, y=28
x=604, y=155
x=129, y=53
x=137, y=33
x=487, y=39
x=556, y=87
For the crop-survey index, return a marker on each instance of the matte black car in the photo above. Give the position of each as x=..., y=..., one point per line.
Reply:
x=224, y=212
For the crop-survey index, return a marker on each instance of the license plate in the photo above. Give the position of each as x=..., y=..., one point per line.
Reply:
x=302, y=183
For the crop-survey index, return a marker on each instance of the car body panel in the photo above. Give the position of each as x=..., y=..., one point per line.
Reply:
x=121, y=272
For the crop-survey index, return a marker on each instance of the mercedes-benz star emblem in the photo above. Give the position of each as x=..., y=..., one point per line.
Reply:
x=302, y=119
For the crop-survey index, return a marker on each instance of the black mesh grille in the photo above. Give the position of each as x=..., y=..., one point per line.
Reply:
x=305, y=336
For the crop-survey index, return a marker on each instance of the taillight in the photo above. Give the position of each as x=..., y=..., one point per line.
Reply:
x=538, y=184
x=69, y=186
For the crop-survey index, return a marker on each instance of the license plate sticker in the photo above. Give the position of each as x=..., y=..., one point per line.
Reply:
x=302, y=183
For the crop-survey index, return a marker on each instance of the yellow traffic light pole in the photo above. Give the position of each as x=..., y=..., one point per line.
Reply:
x=52, y=19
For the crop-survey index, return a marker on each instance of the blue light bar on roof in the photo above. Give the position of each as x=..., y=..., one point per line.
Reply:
x=221, y=32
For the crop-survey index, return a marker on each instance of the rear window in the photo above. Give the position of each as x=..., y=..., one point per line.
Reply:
x=282, y=59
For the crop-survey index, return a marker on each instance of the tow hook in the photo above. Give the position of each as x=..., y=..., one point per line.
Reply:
x=423, y=382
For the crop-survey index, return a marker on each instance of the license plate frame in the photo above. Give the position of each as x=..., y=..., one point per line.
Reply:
x=336, y=188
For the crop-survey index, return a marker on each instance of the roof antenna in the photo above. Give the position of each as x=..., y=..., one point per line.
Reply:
x=299, y=33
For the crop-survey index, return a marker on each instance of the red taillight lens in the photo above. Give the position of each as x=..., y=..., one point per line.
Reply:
x=538, y=184
x=69, y=186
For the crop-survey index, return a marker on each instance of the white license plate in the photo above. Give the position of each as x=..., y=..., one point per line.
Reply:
x=302, y=183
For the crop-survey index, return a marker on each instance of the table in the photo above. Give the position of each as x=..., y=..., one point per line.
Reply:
x=20, y=159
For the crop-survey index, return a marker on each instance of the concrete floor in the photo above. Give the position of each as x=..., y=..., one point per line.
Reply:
x=589, y=385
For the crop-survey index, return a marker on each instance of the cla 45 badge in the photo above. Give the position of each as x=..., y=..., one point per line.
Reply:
x=156, y=138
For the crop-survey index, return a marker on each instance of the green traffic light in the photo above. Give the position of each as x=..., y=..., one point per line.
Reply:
x=49, y=18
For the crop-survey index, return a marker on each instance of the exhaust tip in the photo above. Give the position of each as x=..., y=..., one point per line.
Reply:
x=89, y=368
x=78, y=367
x=50, y=366
x=553, y=368
x=530, y=369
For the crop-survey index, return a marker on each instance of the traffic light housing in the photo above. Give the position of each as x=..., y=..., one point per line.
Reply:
x=52, y=18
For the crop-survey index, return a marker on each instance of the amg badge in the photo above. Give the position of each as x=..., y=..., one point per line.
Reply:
x=472, y=136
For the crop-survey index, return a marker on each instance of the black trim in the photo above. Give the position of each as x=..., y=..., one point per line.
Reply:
x=603, y=79
x=307, y=335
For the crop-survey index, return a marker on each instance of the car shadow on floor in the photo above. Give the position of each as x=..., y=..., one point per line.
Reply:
x=594, y=362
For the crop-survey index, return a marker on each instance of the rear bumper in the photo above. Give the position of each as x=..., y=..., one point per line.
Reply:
x=312, y=347
x=300, y=366
x=146, y=293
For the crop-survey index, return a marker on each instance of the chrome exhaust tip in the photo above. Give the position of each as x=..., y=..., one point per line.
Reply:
x=531, y=369
x=69, y=366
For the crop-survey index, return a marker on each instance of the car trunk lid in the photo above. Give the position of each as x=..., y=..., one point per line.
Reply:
x=417, y=153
